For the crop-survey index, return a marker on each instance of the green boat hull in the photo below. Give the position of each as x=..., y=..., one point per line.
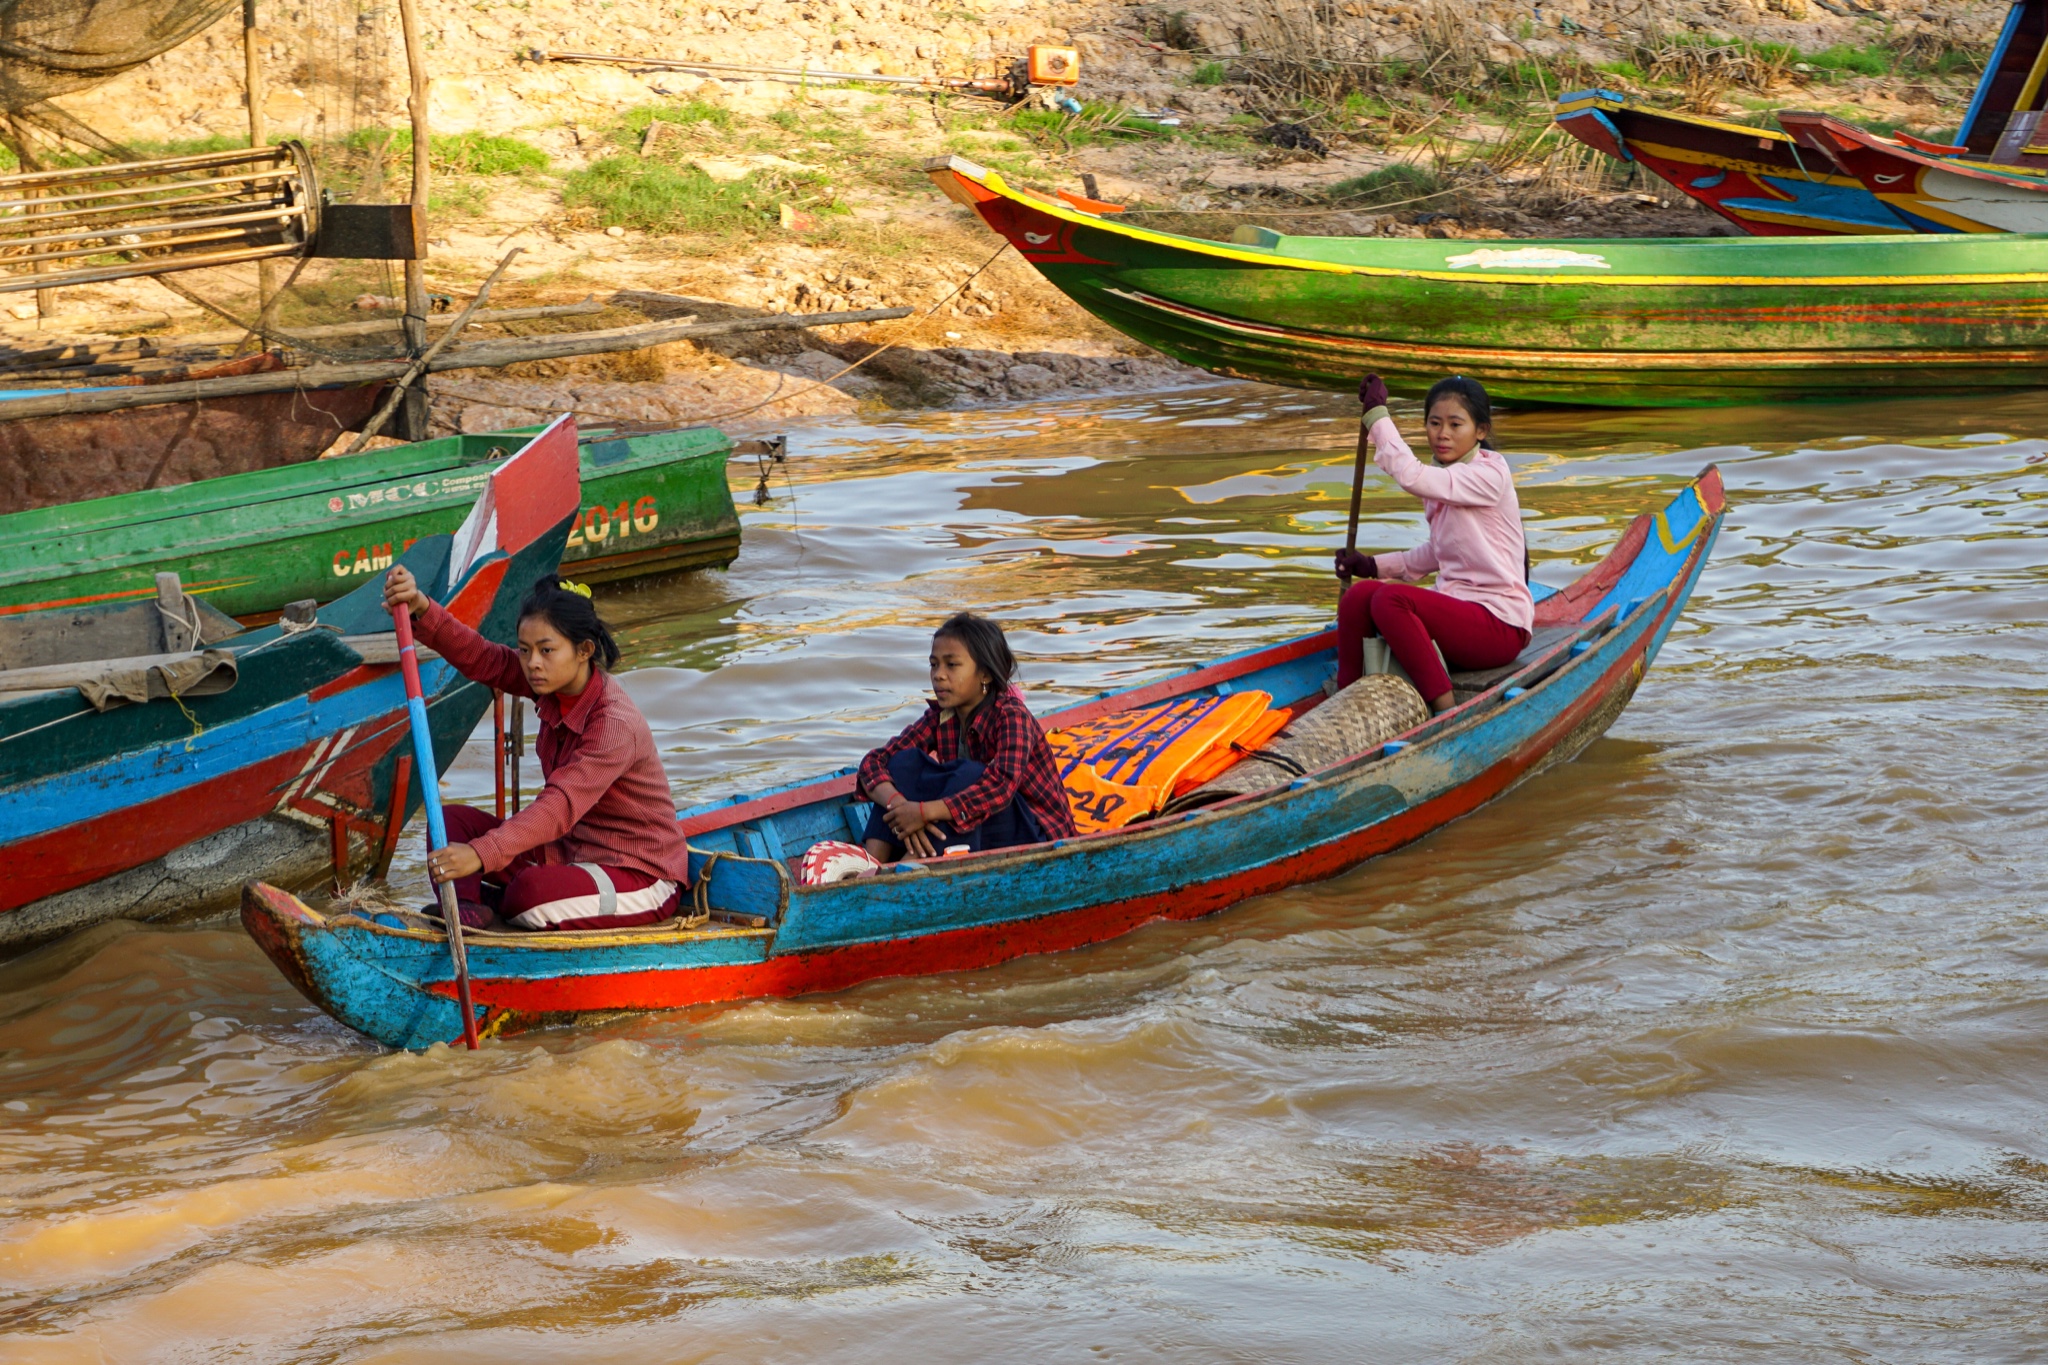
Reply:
x=1651, y=322
x=250, y=543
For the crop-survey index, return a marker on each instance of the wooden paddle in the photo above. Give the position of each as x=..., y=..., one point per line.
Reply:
x=430, y=792
x=1357, y=493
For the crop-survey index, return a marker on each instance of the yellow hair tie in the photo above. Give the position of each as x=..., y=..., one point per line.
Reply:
x=580, y=589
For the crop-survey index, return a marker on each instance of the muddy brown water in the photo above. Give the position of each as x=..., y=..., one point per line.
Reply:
x=1725, y=1042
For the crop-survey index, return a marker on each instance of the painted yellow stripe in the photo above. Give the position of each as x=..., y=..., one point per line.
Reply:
x=1225, y=252
x=1698, y=120
x=1754, y=169
x=1663, y=523
x=1923, y=208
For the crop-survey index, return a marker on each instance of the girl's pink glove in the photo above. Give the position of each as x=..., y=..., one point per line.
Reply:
x=1372, y=393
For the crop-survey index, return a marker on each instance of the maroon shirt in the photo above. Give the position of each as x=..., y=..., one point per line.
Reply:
x=607, y=798
x=1005, y=738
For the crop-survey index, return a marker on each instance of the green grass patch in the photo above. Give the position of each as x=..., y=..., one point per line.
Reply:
x=1628, y=71
x=628, y=192
x=151, y=149
x=1211, y=73
x=452, y=153
x=1393, y=184
x=632, y=124
x=486, y=154
x=1845, y=60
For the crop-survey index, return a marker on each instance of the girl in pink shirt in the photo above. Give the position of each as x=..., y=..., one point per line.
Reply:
x=1480, y=612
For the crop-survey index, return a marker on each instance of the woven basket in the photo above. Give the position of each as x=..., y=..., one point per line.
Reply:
x=1363, y=716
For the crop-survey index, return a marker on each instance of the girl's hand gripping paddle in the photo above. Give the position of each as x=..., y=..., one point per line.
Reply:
x=430, y=791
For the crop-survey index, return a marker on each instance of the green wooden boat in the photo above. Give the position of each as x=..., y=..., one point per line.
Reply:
x=1649, y=322
x=249, y=543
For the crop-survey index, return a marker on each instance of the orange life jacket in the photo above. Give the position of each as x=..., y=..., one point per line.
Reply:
x=1125, y=766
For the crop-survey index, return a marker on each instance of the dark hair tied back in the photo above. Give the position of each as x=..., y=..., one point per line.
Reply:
x=1467, y=391
x=985, y=645
x=574, y=618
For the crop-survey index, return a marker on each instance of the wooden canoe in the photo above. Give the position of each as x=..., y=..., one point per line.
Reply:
x=247, y=544
x=162, y=809
x=1756, y=178
x=1620, y=322
x=388, y=977
x=1928, y=191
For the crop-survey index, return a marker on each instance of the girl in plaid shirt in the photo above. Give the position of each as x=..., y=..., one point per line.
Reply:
x=975, y=768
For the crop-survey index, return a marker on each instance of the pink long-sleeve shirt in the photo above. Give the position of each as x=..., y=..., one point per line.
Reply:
x=606, y=800
x=1475, y=544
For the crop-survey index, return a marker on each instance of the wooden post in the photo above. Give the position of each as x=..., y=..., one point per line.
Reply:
x=413, y=415
x=518, y=747
x=394, y=818
x=498, y=754
x=252, y=89
x=24, y=152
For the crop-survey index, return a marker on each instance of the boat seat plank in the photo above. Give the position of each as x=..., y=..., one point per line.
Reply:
x=1541, y=642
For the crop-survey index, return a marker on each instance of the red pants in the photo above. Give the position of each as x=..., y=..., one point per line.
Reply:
x=1408, y=618
x=533, y=894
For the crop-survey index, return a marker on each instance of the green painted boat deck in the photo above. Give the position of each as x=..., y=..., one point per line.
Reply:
x=249, y=543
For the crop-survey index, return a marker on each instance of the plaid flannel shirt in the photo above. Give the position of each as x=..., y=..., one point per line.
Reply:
x=1004, y=737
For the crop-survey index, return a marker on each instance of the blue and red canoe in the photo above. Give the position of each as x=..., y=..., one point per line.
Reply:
x=388, y=976
x=290, y=761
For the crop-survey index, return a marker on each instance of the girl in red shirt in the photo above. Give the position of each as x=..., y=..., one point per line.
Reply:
x=599, y=847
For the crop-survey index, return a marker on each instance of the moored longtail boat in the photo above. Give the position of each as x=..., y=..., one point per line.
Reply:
x=154, y=757
x=389, y=976
x=1757, y=178
x=1621, y=322
x=1776, y=184
x=246, y=544
x=1929, y=191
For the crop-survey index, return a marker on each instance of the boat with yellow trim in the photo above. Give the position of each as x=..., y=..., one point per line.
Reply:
x=1759, y=179
x=1649, y=322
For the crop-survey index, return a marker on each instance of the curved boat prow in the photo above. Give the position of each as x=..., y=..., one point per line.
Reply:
x=401, y=1007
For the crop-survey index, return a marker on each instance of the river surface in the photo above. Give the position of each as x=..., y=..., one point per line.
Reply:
x=1726, y=1042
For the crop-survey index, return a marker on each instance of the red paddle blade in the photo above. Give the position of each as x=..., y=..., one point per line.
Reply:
x=526, y=496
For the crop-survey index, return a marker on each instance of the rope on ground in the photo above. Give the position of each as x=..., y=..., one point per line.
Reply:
x=776, y=397
x=886, y=346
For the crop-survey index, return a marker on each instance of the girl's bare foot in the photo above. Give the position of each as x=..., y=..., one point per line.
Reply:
x=1439, y=705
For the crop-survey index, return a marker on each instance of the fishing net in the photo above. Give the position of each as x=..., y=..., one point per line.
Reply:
x=54, y=47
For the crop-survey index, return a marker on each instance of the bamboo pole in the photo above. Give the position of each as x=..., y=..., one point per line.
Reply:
x=253, y=91
x=418, y=371
x=46, y=299
x=415, y=413
x=480, y=355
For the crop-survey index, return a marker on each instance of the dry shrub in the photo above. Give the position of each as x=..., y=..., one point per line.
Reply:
x=1571, y=174
x=1306, y=55
x=1453, y=48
